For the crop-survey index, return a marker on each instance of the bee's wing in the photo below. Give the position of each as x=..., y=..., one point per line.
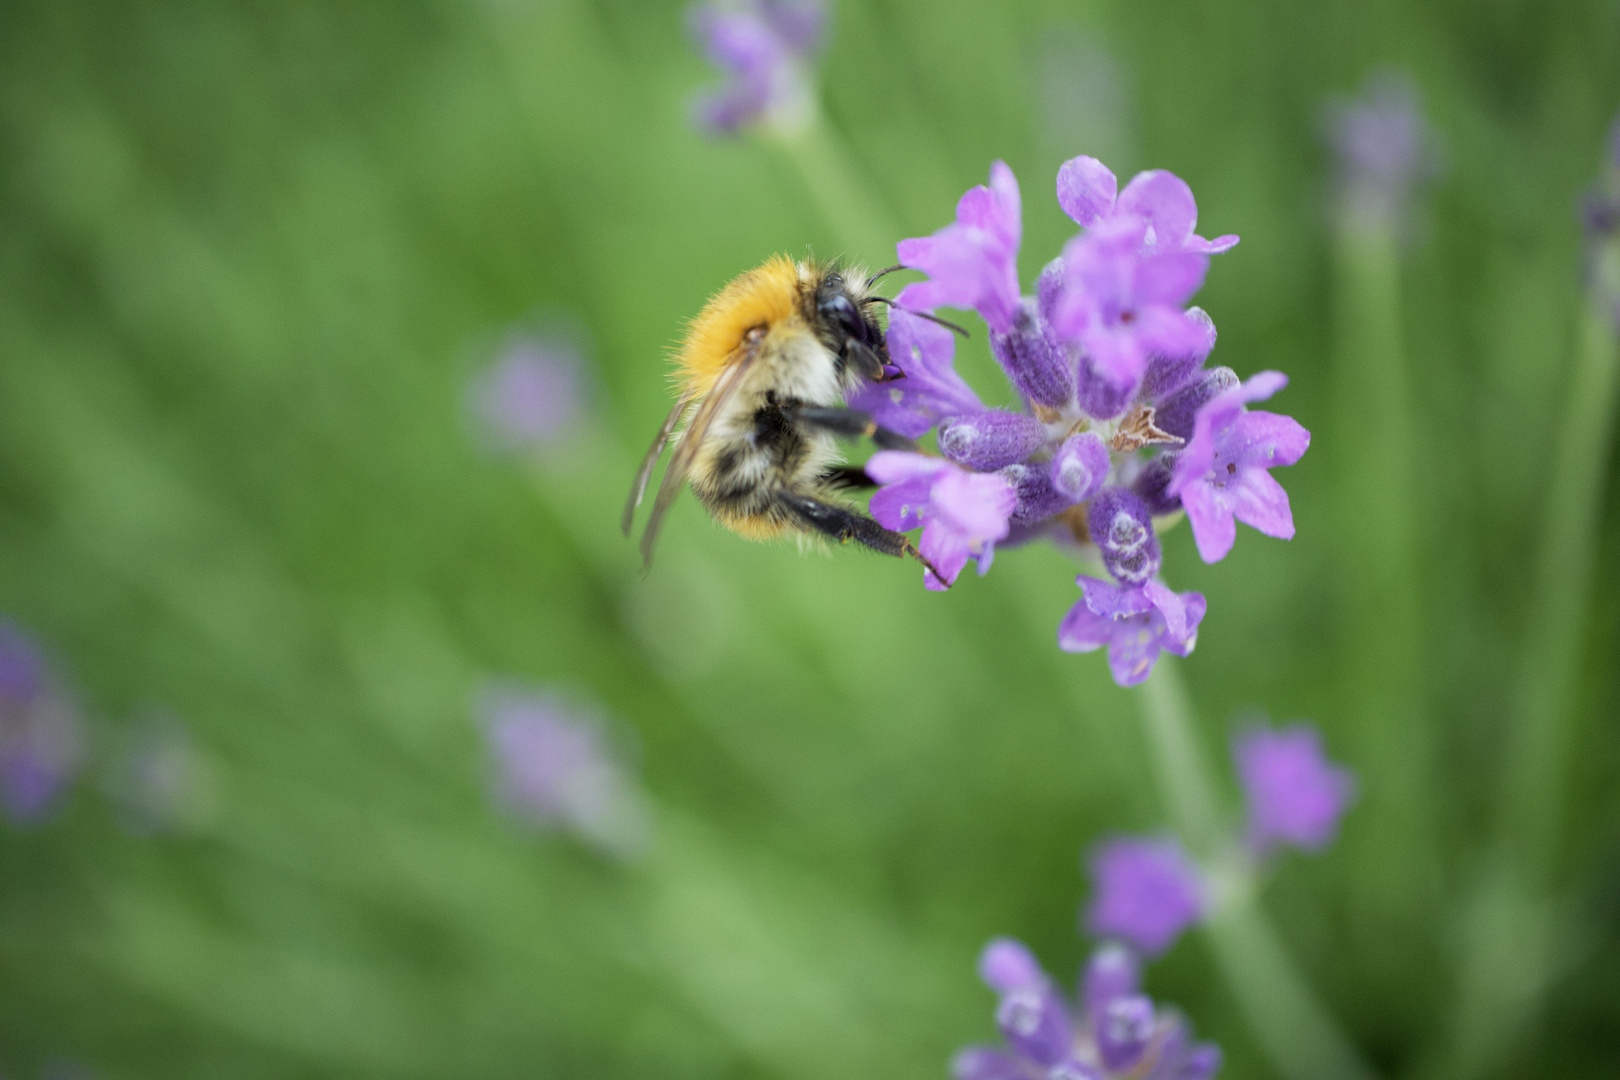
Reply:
x=650, y=462
x=692, y=438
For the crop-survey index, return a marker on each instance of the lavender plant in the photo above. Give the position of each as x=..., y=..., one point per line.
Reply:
x=41, y=733
x=1124, y=428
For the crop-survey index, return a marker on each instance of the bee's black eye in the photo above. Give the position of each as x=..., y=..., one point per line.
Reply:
x=836, y=307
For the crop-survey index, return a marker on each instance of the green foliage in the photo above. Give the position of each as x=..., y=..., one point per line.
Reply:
x=248, y=254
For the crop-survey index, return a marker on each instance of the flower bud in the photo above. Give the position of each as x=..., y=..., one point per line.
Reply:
x=1037, y=498
x=1100, y=396
x=1177, y=413
x=989, y=440
x=1033, y=360
x=1152, y=484
x=1122, y=528
x=1123, y=1029
x=1080, y=466
x=1035, y=1025
x=1168, y=374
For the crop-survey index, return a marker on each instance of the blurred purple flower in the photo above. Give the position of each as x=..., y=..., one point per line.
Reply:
x=972, y=263
x=764, y=49
x=1294, y=794
x=1113, y=1032
x=41, y=745
x=1382, y=149
x=1122, y=306
x=533, y=396
x=1146, y=893
x=554, y=769
x=1221, y=477
x=1135, y=623
x=1086, y=191
x=962, y=513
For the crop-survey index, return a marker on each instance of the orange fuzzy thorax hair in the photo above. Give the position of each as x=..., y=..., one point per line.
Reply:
x=765, y=296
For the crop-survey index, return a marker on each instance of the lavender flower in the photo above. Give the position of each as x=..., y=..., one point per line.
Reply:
x=1294, y=794
x=1113, y=1031
x=764, y=48
x=1110, y=364
x=1382, y=148
x=40, y=741
x=1147, y=893
x=553, y=769
x=962, y=513
x=1135, y=623
x=972, y=263
x=533, y=396
x=1222, y=476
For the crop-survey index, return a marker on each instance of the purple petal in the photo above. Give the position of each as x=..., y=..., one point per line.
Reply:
x=976, y=504
x=1113, y=601
x=1267, y=440
x=899, y=506
x=1007, y=965
x=1008, y=225
x=1169, y=279
x=1168, y=332
x=1261, y=503
x=1086, y=189
x=1146, y=893
x=947, y=550
x=1170, y=606
x=1167, y=202
x=894, y=466
x=1211, y=247
x=1213, y=527
x=986, y=1063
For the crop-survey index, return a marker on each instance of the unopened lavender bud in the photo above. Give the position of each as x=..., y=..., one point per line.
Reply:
x=1049, y=287
x=1037, y=498
x=989, y=440
x=1080, y=466
x=1122, y=529
x=1007, y=965
x=1177, y=413
x=1152, y=484
x=1168, y=374
x=1037, y=365
x=1124, y=1028
x=1099, y=396
x=1113, y=971
x=1034, y=1025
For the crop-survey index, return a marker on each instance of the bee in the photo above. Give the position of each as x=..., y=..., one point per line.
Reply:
x=762, y=377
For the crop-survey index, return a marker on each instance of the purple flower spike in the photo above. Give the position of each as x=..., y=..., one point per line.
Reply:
x=553, y=769
x=1122, y=528
x=962, y=514
x=1221, y=477
x=987, y=441
x=972, y=263
x=1080, y=466
x=1007, y=965
x=1147, y=893
x=533, y=396
x=763, y=49
x=1124, y=1028
x=1383, y=149
x=1112, y=972
x=1122, y=306
x=1086, y=192
x=1035, y=363
x=931, y=390
x=1035, y=1024
x=1295, y=795
x=41, y=745
x=1136, y=624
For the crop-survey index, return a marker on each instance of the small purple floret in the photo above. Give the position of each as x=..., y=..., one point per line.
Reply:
x=1035, y=1024
x=1147, y=893
x=1034, y=361
x=1134, y=623
x=1221, y=477
x=1006, y=964
x=41, y=744
x=931, y=390
x=1294, y=794
x=973, y=262
x=763, y=49
x=1080, y=466
x=1383, y=149
x=1122, y=528
x=1162, y=200
x=990, y=440
x=533, y=396
x=962, y=513
x=1113, y=971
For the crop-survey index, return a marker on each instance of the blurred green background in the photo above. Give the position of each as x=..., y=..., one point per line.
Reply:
x=251, y=253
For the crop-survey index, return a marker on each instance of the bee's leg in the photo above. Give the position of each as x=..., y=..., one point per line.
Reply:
x=849, y=422
x=848, y=478
x=844, y=524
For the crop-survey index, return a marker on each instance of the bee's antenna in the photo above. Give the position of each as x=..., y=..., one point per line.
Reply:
x=886, y=270
x=946, y=323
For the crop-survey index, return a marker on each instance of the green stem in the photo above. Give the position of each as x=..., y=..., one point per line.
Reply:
x=1288, y=1021
x=854, y=212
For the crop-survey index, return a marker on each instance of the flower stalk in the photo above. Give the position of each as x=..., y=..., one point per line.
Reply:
x=1292, y=1026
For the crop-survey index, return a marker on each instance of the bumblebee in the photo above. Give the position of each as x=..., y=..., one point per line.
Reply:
x=762, y=377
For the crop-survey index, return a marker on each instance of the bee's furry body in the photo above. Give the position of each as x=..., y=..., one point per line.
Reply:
x=762, y=377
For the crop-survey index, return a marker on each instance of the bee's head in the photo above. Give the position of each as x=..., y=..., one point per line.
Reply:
x=844, y=322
